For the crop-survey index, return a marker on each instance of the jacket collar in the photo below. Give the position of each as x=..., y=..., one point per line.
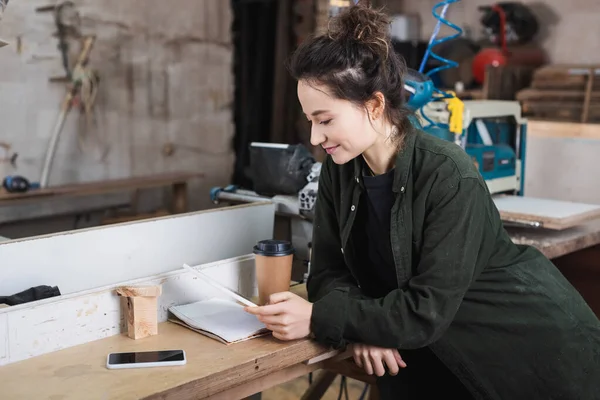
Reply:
x=403, y=162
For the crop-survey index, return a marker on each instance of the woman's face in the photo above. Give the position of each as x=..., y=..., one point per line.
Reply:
x=339, y=126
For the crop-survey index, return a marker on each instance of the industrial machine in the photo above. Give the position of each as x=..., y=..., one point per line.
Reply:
x=493, y=134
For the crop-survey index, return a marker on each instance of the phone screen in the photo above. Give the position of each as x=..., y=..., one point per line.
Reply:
x=145, y=357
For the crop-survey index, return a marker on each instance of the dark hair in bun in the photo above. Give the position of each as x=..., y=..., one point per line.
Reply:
x=355, y=59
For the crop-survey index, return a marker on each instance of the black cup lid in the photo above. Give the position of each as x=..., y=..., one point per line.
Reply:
x=273, y=248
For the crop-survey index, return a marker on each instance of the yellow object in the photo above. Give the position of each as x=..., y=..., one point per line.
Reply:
x=456, y=108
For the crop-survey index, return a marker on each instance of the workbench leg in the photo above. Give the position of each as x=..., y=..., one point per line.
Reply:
x=320, y=385
x=373, y=392
x=180, y=203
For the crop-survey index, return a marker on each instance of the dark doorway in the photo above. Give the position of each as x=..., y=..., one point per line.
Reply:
x=254, y=36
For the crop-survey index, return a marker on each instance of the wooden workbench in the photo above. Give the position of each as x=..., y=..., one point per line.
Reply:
x=213, y=370
x=176, y=180
x=559, y=243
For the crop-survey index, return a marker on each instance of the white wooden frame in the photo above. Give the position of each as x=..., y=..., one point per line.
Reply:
x=32, y=329
x=89, y=258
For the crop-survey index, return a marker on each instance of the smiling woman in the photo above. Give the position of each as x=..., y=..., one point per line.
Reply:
x=354, y=97
x=411, y=265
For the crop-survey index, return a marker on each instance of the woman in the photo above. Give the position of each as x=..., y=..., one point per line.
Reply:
x=411, y=264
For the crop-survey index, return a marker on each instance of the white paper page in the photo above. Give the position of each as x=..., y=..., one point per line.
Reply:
x=224, y=318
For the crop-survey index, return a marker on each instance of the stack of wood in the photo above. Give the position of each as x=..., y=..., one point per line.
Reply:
x=563, y=92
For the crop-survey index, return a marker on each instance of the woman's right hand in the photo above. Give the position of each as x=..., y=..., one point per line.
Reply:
x=372, y=359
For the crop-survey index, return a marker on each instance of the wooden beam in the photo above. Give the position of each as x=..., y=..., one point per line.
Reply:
x=569, y=130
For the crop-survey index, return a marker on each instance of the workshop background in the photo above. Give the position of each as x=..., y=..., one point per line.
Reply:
x=187, y=85
x=170, y=95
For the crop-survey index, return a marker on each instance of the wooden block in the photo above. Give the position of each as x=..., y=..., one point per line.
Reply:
x=142, y=311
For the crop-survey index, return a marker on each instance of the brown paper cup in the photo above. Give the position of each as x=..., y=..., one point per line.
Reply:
x=273, y=261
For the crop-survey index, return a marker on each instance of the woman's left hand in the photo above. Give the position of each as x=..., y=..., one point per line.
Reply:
x=287, y=315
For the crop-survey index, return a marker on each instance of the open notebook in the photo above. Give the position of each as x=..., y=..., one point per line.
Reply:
x=223, y=320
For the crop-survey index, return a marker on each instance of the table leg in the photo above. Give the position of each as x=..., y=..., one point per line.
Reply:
x=373, y=392
x=319, y=386
x=180, y=197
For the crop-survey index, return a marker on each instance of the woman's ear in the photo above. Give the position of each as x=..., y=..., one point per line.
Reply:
x=376, y=106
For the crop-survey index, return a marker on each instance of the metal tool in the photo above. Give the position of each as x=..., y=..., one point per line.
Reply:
x=217, y=285
x=64, y=110
x=18, y=184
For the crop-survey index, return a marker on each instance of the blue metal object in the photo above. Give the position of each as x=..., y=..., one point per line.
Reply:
x=214, y=192
x=433, y=41
x=495, y=161
x=446, y=63
x=422, y=89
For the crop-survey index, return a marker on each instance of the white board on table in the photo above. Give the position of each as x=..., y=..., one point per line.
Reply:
x=551, y=214
x=90, y=258
x=32, y=329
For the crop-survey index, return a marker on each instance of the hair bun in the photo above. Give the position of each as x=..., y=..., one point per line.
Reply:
x=362, y=25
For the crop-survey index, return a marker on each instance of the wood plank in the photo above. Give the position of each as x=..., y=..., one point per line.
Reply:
x=555, y=244
x=100, y=256
x=550, y=214
x=211, y=367
x=553, y=95
x=573, y=130
x=349, y=368
x=103, y=187
x=565, y=71
x=266, y=382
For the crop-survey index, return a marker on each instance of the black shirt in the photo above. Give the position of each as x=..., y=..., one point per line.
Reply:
x=372, y=235
x=378, y=277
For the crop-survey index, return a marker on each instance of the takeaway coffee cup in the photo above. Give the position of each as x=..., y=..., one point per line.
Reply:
x=273, y=267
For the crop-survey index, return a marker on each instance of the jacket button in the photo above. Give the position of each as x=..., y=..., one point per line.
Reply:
x=402, y=189
x=357, y=180
x=342, y=250
x=352, y=208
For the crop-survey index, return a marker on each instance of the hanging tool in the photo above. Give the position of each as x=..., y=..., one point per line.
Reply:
x=67, y=22
x=67, y=103
x=3, y=4
x=8, y=157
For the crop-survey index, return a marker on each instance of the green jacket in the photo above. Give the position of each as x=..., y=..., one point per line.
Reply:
x=499, y=315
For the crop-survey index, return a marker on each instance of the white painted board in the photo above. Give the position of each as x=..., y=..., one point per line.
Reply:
x=33, y=329
x=553, y=214
x=90, y=258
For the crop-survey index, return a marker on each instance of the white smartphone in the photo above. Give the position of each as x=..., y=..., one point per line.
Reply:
x=145, y=359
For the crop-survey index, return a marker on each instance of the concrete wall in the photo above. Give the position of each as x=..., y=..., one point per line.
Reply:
x=166, y=77
x=570, y=28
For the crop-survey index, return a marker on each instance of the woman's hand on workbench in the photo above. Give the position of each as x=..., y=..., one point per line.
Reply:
x=287, y=315
x=372, y=359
